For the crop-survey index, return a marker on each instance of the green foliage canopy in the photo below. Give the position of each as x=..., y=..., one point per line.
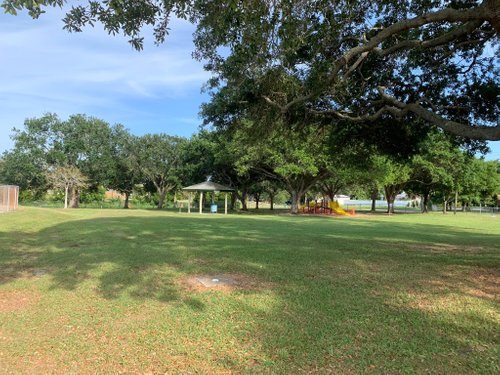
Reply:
x=338, y=60
x=160, y=160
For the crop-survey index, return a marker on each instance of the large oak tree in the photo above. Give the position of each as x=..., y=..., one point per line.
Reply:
x=46, y=143
x=160, y=158
x=435, y=60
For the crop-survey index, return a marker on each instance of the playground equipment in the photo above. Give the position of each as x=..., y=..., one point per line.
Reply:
x=331, y=208
x=335, y=207
x=315, y=208
x=9, y=197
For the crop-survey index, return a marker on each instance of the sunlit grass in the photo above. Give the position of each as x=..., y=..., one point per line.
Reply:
x=108, y=291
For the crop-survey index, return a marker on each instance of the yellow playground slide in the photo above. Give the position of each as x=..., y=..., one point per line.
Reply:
x=335, y=207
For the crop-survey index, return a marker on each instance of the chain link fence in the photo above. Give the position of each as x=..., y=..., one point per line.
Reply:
x=9, y=197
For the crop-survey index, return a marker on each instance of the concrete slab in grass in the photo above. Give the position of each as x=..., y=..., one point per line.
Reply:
x=217, y=280
x=39, y=272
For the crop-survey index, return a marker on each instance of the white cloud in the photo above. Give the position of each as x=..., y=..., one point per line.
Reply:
x=46, y=69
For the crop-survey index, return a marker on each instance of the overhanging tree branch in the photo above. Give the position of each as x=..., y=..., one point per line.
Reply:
x=399, y=109
x=444, y=39
x=472, y=15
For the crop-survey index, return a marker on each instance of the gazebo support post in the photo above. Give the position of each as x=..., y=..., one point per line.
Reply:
x=225, y=203
x=189, y=203
x=201, y=201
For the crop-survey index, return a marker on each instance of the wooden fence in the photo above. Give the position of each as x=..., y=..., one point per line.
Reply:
x=9, y=197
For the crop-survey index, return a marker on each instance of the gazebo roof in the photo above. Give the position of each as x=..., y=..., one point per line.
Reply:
x=208, y=186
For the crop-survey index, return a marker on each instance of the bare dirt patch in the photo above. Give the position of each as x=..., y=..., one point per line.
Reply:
x=484, y=284
x=222, y=282
x=13, y=272
x=476, y=282
x=16, y=300
x=444, y=248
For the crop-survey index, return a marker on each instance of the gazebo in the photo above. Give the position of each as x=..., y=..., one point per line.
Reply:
x=205, y=187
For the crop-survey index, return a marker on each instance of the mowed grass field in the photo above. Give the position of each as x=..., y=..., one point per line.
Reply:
x=110, y=291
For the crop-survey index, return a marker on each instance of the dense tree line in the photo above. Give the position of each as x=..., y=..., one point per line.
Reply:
x=87, y=153
x=83, y=154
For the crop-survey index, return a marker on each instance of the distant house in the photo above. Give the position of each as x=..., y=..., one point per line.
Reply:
x=341, y=199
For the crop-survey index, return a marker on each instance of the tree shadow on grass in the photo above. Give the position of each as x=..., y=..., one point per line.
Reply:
x=341, y=289
x=138, y=253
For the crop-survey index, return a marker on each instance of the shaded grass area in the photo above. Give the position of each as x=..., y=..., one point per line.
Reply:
x=103, y=291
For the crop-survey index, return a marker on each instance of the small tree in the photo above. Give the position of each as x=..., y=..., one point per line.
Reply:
x=125, y=172
x=272, y=189
x=67, y=177
x=159, y=157
x=392, y=176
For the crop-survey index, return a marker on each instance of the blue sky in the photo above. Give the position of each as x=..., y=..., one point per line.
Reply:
x=46, y=69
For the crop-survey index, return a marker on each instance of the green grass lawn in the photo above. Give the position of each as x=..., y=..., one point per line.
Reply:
x=109, y=291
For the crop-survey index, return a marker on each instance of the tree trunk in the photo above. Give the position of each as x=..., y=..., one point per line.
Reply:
x=271, y=199
x=244, y=206
x=74, y=198
x=127, y=196
x=374, y=196
x=66, y=196
x=456, y=203
x=331, y=196
x=390, y=206
x=234, y=198
x=163, y=194
x=390, y=196
x=295, y=201
x=425, y=203
x=445, y=203
x=243, y=199
x=257, y=200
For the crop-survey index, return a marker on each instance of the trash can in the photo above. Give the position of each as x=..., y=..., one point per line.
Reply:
x=213, y=209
